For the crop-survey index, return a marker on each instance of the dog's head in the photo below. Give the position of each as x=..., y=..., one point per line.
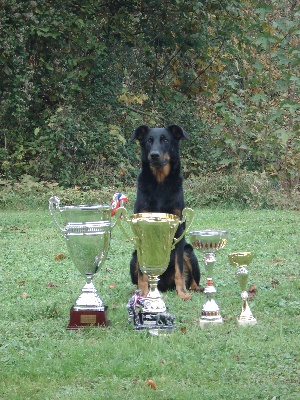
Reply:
x=159, y=145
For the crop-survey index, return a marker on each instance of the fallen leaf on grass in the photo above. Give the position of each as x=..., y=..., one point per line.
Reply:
x=252, y=292
x=51, y=284
x=112, y=286
x=278, y=261
x=135, y=381
x=16, y=228
x=183, y=329
x=275, y=283
x=24, y=295
x=60, y=256
x=151, y=383
x=108, y=269
x=21, y=283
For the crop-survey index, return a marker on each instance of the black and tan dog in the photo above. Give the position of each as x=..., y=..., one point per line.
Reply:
x=160, y=190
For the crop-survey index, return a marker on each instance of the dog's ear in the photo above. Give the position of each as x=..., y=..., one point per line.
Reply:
x=139, y=133
x=177, y=132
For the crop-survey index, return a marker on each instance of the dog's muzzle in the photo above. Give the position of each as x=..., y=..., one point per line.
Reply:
x=155, y=160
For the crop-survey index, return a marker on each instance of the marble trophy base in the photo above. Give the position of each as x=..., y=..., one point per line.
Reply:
x=150, y=313
x=83, y=318
x=155, y=323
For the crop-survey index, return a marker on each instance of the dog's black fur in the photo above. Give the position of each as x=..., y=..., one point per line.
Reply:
x=160, y=190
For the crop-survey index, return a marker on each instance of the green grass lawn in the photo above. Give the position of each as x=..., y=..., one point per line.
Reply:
x=40, y=359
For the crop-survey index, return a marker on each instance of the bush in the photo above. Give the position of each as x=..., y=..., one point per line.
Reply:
x=238, y=189
x=241, y=189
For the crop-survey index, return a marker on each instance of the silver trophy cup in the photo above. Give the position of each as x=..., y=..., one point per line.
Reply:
x=87, y=230
x=209, y=241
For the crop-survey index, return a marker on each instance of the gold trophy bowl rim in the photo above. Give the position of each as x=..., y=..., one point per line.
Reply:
x=154, y=217
x=241, y=256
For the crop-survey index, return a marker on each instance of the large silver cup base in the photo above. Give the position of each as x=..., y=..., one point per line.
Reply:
x=89, y=299
x=83, y=318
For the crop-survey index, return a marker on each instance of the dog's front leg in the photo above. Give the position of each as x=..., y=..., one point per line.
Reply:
x=180, y=279
x=143, y=283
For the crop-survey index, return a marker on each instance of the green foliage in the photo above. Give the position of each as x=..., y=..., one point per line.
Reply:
x=76, y=79
x=239, y=190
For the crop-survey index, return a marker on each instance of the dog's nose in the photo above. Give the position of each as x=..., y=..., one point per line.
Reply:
x=154, y=155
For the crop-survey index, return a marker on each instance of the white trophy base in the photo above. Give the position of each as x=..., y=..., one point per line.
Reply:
x=245, y=322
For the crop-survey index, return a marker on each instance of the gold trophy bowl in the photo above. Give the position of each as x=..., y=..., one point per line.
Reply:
x=154, y=238
x=241, y=260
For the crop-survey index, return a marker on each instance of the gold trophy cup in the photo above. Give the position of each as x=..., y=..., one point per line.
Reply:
x=154, y=238
x=208, y=242
x=242, y=260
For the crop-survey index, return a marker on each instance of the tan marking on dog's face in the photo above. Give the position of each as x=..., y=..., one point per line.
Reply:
x=161, y=173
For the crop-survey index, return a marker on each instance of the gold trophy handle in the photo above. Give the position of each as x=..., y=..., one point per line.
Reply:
x=187, y=216
x=120, y=220
x=55, y=200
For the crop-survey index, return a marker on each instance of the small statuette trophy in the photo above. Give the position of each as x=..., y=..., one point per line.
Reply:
x=209, y=241
x=87, y=230
x=242, y=260
x=153, y=239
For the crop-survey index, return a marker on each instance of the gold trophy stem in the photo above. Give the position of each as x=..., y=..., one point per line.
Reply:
x=246, y=317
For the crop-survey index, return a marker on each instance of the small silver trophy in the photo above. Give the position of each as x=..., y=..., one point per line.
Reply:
x=241, y=261
x=154, y=238
x=87, y=230
x=209, y=241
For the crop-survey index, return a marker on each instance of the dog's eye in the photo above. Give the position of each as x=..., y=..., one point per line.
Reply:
x=150, y=140
x=163, y=139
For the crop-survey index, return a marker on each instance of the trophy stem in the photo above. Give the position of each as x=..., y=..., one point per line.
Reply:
x=246, y=317
x=89, y=298
x=157, y=303
x=210, y=312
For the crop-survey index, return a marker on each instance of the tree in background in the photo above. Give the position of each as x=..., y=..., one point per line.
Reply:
x=78, y=77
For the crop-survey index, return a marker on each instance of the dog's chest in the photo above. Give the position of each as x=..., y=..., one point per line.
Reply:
x=160, y=198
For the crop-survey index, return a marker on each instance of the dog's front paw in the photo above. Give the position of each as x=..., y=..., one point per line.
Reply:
x=182, y=294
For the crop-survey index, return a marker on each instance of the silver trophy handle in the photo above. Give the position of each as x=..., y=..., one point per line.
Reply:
x=187, y=217
x=55, y=200
x=120, y=221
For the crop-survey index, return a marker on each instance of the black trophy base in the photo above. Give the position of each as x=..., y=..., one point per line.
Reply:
x=83, y=318
x=155, y=323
